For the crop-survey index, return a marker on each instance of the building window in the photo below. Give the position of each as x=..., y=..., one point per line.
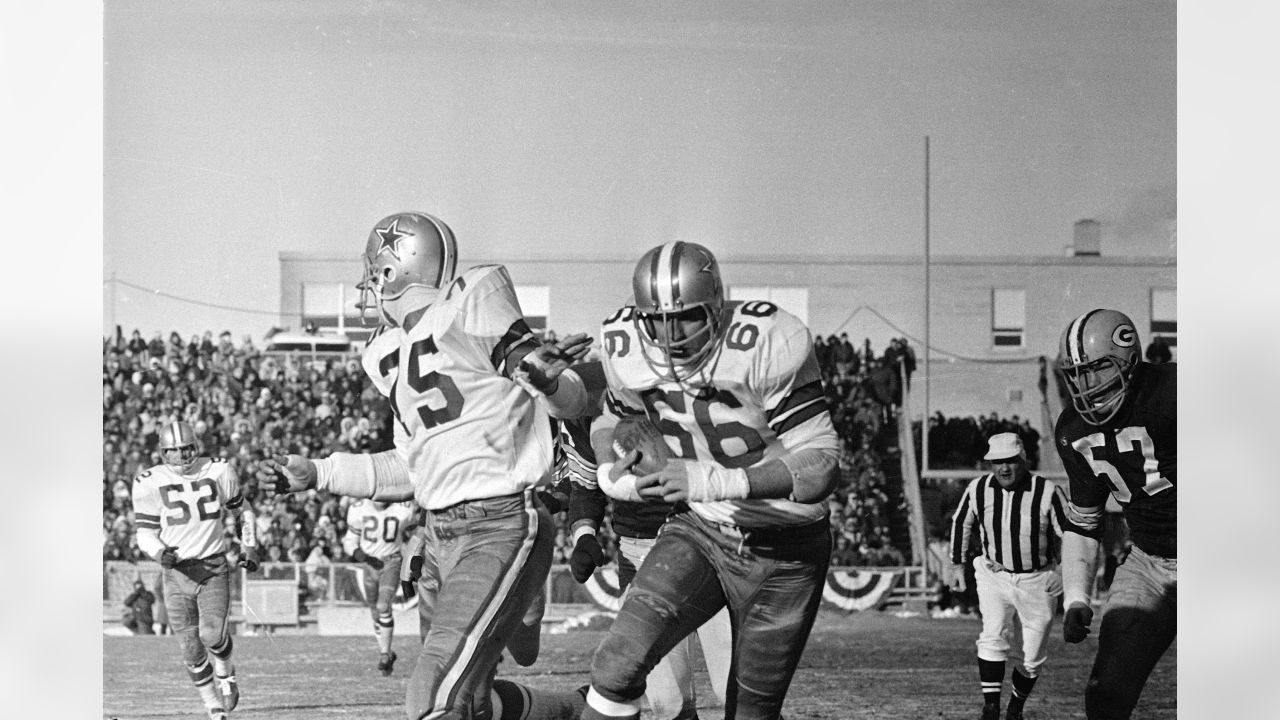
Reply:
x=1008, y=317
x=535, y=303
x=331, y=307
x=1164, y=316
x=794, y=300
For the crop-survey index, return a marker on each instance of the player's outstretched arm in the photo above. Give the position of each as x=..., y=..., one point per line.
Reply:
x=545, y=369
x=381, y=476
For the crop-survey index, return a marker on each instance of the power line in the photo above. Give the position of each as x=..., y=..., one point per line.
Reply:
x=940, y=351
x=191, y=301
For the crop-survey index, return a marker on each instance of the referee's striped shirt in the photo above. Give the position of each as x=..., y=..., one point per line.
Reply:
x=1018, y=528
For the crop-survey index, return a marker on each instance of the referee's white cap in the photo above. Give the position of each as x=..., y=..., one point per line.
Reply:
x=1003, y=446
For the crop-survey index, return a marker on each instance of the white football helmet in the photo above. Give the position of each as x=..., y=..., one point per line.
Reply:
x=408, y=249
x=1098, y=354
x=679, y=307
x=179, y=446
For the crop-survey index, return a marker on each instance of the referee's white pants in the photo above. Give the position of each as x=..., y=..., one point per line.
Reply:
x=1017, y=610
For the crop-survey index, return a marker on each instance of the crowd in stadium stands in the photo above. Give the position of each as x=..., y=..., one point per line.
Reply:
x=247, y=405
x=960, y=442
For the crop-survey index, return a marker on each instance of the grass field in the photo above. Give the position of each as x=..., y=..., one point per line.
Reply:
x=866, y=665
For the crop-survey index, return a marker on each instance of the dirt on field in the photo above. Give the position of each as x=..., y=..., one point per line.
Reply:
x=866, y=665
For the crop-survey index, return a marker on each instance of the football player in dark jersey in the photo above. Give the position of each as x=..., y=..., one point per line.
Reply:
x=1119, y=437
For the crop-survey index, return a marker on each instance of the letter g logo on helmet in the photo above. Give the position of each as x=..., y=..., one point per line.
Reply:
x=1124, y=336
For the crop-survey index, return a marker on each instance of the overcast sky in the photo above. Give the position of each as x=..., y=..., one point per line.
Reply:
x=235, y=130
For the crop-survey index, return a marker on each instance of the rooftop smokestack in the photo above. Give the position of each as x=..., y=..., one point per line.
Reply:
x=1088, y=239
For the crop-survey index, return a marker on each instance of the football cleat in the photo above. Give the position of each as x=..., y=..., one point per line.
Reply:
x=179, y=446
x=217, y=714
x=679, y=308
x=991, y=711
x=229, y=689
x=387, y=662
x=1098, y=353
x=408, y=249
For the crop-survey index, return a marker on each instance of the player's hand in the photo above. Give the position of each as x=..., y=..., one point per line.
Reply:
x=287, y=474
x=552, y=501
x=168, y=557
x=411, y=570
x=694, y=481
x=1075, y=623
x=586, y=557
x=543, y=366
x=617, y=479
x=249, y=559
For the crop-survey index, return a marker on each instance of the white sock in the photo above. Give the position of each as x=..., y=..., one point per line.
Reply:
x=222, y=668
x=609, y=708
x=384, y=629
x=209, y=695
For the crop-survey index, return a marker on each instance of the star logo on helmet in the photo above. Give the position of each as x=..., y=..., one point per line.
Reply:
x=390, y=237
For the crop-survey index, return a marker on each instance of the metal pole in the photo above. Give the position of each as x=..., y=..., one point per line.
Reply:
x=924, y=421
x=113, y=301
x=342, y=307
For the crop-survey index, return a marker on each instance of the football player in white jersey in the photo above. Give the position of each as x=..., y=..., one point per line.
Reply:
x=472, y=445
x=375, y=534
x=735, y=390
x=178, y=508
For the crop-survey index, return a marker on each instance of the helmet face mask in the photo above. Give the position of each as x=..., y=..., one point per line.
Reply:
x=679, y=302
x=410, y=249
x=179, y=446
x=1099, y=353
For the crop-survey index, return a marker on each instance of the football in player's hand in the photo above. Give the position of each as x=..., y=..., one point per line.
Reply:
x=638, y=433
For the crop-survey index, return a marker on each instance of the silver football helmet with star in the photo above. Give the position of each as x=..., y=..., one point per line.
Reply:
x=179, y=446
x=679, y=308
x=408, y=249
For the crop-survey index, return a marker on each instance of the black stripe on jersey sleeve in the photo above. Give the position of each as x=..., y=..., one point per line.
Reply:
x=619, y=408
x=798, y=397
x=234, y=502
x=518, y=334
x=147, y=524
x=800, y=416
x=144, y=517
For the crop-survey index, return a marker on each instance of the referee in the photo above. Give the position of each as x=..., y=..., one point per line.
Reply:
x=1019, y=517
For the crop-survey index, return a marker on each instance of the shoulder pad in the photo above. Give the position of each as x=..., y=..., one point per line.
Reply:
x=473, y=277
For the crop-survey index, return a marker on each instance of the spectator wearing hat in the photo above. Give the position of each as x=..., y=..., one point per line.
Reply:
x=1020, y=517
x=138, y=617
